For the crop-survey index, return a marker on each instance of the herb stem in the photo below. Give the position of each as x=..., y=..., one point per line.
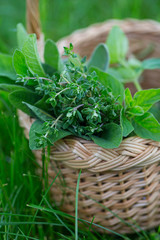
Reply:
x=61, y=92
x=54, y=123
x=28, y=78
x=137, y=85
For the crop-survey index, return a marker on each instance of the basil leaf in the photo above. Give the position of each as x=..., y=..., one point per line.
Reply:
x=146, y=98
x=18, y=97
x=99, y=57
x=152, y=63
x=52, y=56
x=30, y=52
x=125, y=124
x=19, y=63
x=111, y=136
x=6, y=67
x=117, y=44
x=39, y=113
x=147, y=126
x=37, y=127
x=110, y=82
x=21, y=35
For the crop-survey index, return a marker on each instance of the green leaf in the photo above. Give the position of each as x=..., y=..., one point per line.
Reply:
x=42, y=103
x=30, y=52
x=18, y=97
x=21, y=35
x=37, y=127
x=19, y=63
x=155, y=110
x=147, y=126
x=39, y=113
x=11, y=87
x=117, y=44
x=152, y=63
x=99, y=57
x=52, y=56
x=125, y=124
x=6, y=67
x=128, y=98
x=111, y=137
x=135, y=111
x=48, y=69
x=127, y=74
x=109, y=81
x=6, y=80
x=146, y=98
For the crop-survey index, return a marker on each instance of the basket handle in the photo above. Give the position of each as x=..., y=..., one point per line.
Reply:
x=33, y=17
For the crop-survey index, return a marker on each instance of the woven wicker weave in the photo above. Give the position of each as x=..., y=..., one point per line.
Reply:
x=125, y=180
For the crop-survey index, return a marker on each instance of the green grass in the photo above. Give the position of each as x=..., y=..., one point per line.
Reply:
x=26, y=209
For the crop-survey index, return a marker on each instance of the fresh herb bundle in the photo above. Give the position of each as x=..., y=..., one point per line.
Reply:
x=73, y=96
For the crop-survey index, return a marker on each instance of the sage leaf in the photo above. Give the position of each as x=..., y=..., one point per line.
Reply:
x=52, y=56
x=39, y=113
x=21, y=35
x=99, y=57
x=126, y=125
x=111, y=136
x=37, y=127
x=30, y=52
x=18, y=97
x=152, y=63
x=19, y=63
x=6, y=66
x=11, y=87
x=117, y=44
x=42, y=103
x=146, y=126
x=110, y=82
x=6, y=80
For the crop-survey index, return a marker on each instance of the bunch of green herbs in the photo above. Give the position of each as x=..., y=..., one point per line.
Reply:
x=73, y=96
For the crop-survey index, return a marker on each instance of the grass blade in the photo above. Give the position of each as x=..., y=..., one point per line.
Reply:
x=76, y=207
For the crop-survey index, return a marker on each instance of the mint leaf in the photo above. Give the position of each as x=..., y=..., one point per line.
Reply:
x=18, y=97
x=37, y=127
x=111, y=136
x=21, y=35
x=135, y=111
x=152, y=63
x=6, y=67
x=110, y=82
x=30, y=52
x=52, y=56
x=128, y=98
x=146, y=98
x=19, y=63
x=147, y=126
x=117, y=44
x=125, y=124
x=99, y=57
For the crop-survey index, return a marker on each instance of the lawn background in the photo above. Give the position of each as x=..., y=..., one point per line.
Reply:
x=19, y=184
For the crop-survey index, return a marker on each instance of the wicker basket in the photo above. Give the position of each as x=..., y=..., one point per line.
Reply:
x=115, y=184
